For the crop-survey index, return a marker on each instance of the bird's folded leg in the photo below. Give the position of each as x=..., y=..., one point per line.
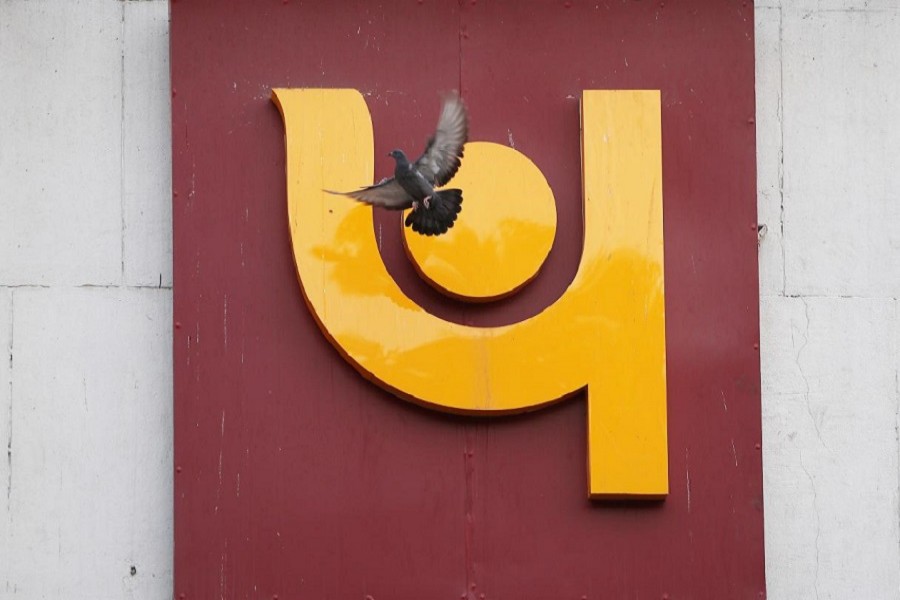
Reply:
x=426, y=201
x=415, y=205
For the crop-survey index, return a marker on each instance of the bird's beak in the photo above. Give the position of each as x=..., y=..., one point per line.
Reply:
x=388, y=153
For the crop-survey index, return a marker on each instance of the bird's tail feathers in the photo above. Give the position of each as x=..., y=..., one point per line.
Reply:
x=443, y=208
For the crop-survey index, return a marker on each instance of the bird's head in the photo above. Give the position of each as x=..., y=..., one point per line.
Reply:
x=398, y=156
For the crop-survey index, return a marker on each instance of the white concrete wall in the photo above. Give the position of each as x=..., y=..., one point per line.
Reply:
x=85, y=298
x=85, y=301
x=828, y=123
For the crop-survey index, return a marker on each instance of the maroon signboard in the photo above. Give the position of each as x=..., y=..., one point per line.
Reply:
x=298, y=478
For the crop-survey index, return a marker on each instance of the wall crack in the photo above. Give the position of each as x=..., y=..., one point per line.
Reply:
x=9, y=414
x=806, y=393
x=812, y=485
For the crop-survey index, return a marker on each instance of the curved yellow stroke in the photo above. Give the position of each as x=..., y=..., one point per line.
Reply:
x=606, y=333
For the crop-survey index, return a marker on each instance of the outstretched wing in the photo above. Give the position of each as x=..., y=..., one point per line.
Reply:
x=442, y=155
x=387, y=194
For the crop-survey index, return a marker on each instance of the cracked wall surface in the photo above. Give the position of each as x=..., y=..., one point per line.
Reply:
x=85, y=298
x=828, y=138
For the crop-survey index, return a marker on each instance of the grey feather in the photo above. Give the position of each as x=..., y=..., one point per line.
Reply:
x=387, y=194
x=442, y=155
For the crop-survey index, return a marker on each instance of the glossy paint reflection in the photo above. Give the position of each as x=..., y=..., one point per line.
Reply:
x=606, y=333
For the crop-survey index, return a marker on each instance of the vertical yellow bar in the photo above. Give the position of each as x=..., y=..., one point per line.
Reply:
x=622, y=171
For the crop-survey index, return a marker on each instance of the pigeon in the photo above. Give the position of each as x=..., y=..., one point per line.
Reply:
x=433, y=211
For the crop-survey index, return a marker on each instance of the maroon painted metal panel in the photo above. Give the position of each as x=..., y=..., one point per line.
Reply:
x=297, y=478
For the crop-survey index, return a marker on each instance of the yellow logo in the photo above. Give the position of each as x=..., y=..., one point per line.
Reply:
x=607, y=331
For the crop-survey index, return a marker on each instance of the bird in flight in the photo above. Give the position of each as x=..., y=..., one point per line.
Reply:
x=433, y=211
